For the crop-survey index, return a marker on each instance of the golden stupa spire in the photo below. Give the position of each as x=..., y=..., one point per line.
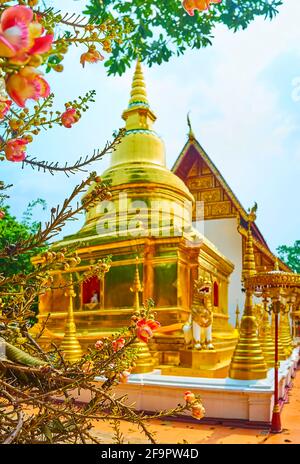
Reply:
x=137, y=287
x=138, y=115
x=248, y=360
x=138, y=93
x=70, y=345
x=249, y=268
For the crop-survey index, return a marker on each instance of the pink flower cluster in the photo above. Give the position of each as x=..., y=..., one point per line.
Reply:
x=15, y=149
x=201, y=5
x=22, y=42
x=118, y=344
x=198, y=411
x=69, y=117
x=145, y=329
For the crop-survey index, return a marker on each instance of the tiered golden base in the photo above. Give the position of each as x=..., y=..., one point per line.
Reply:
x=204, y=363
x=144, y=361
x=248, y=362
x=70, y=346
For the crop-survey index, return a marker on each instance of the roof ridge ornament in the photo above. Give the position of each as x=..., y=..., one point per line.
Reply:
x=191, y=134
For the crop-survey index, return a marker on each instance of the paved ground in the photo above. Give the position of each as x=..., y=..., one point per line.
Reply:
x=182, y=432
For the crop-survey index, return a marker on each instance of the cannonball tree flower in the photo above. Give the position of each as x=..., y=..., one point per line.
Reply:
x=118, y=344
x=15, y=149
x=21, y=36
x=189, y=397
x=145, y=329
x=2, y=214
x=4, y=106
x=91, y=56
x=69, y=117
x=27, y=84
x=123, y=377
x=198, y=411
x=200, y=5
x=99, y=345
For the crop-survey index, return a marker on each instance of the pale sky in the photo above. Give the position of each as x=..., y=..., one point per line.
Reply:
x=243, y=94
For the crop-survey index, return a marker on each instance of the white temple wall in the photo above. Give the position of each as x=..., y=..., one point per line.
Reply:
x=224, y=235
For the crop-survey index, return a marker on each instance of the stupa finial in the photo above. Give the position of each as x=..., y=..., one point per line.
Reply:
x=138, y=95
x=138, y=115
x=249, y=267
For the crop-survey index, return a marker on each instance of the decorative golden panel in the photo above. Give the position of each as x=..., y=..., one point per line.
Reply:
x=221, y=209
x=203, y=182
x=205, y=169
x=211, y=195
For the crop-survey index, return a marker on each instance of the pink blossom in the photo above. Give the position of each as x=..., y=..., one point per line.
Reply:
x=27, y=84
x=20, y=35
x=99, y=345
x=145, y=328
x=118, y=344
x=189, y=397
x=124, y=376
x=15, y=149
x=69, y=117
x=91, y=56
x=200, y=5
x=198, y=411
x=4, y=106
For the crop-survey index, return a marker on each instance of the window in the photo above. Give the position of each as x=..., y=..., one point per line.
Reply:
x=216, y=294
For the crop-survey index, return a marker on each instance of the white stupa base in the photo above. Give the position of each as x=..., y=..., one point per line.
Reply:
x=244, y=400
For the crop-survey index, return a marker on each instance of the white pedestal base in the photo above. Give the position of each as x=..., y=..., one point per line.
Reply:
x=247, y=400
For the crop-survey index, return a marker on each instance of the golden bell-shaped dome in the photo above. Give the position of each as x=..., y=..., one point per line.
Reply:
x=138, y=169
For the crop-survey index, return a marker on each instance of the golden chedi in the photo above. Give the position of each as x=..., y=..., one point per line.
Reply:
x=149, y=215
x=248, y=360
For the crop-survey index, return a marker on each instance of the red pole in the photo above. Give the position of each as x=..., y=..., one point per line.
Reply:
x=276, y=423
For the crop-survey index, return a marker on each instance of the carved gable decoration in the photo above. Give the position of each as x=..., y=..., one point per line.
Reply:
x=204, y=185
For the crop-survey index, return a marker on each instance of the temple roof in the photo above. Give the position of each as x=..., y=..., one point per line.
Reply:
x=193, y=149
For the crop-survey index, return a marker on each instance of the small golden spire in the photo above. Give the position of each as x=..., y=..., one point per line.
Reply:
x=248, y=361
x=70, y=345
x=144, y=361
x=249, y=268
x=191, y=133
x=137, y=286
x=138, y=90
x=276, y=265
x=138, y=115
